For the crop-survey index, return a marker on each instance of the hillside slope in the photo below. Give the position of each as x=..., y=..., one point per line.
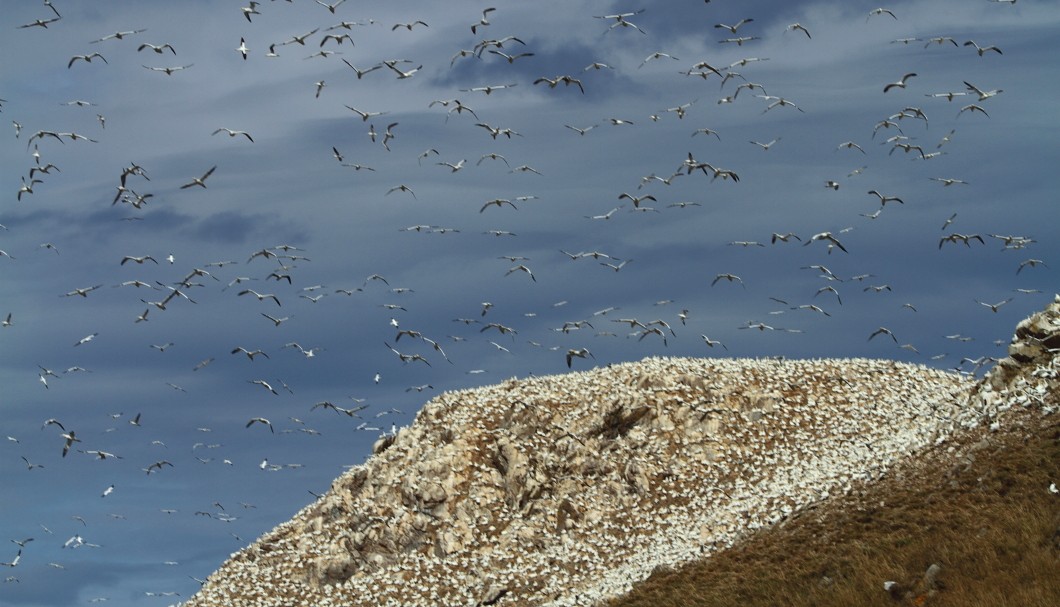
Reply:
x=976, y=512
x=571, y=489
x=974, y=521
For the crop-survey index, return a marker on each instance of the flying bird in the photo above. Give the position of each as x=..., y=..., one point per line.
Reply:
x=199, y=181
x=965, y=238
x=261, y=420
x=361, y=72
x=948, y=182
x=621, y=20
x=276, y=321
x=82, y=292
x=883, y=331
x=365, y=115
x=993, y=307
x=850, y=145
x=86, y=339
x=139, y=260
x=409, y=26
x=972, y=108
x=453, y=167
x=169, y=70
x=263, y=384
x=26, y=188
x=828, y=236
x=940, y=40
x=401, y=188
x=734, y=27
x=119, y=35
x=766, y=146
x=18, y=557
x=900, y=83
x=982, y=94
x=40, y=22
x=728, y=277
x=498, y=202
x=657, y=55
x=778, y=102
x=636, y=200
x=580, y=131
x=387, y=135
x=712, y=342
x=250, y=353
x=156, y=48
x=522, y=268
x=260, y=296
x=799, y=27
x=232, y=133
x=331, y=7
x=405, y=358
x=578, y=353
x=338, y=39
x=300, y=39
x=250, y=10
x=812, y=308
x=566, y=80
x=880, y=11
x=71, y=438
x=510, y=58
x=86, y=59
x=483, y=21
x=885, y=199
x=157, y=466
x=1033, y=263
x=101, y=454
x=783, y=237
x=982, y=49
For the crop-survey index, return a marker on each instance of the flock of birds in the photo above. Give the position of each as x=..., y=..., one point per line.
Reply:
x=275, y=288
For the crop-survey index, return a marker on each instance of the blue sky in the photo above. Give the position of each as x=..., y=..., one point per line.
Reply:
x=287, y=188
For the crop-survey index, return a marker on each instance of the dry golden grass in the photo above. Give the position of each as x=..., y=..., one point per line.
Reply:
x=989, y=521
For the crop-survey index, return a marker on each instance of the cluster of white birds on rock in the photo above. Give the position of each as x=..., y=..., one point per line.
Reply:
x=567, y=490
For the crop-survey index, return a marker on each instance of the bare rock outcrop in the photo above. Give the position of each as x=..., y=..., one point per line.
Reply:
x=1031, y=372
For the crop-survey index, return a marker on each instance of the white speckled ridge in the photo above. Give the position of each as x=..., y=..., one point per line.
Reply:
x=568, y=489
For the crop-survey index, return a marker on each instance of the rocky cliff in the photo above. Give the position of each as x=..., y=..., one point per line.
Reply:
x=565, y=490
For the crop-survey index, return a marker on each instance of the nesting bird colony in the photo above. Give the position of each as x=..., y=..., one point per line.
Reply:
x=566, y=490
x=240, y=242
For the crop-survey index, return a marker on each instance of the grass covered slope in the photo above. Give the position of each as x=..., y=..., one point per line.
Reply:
x=972, y=521
x=988, y=520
